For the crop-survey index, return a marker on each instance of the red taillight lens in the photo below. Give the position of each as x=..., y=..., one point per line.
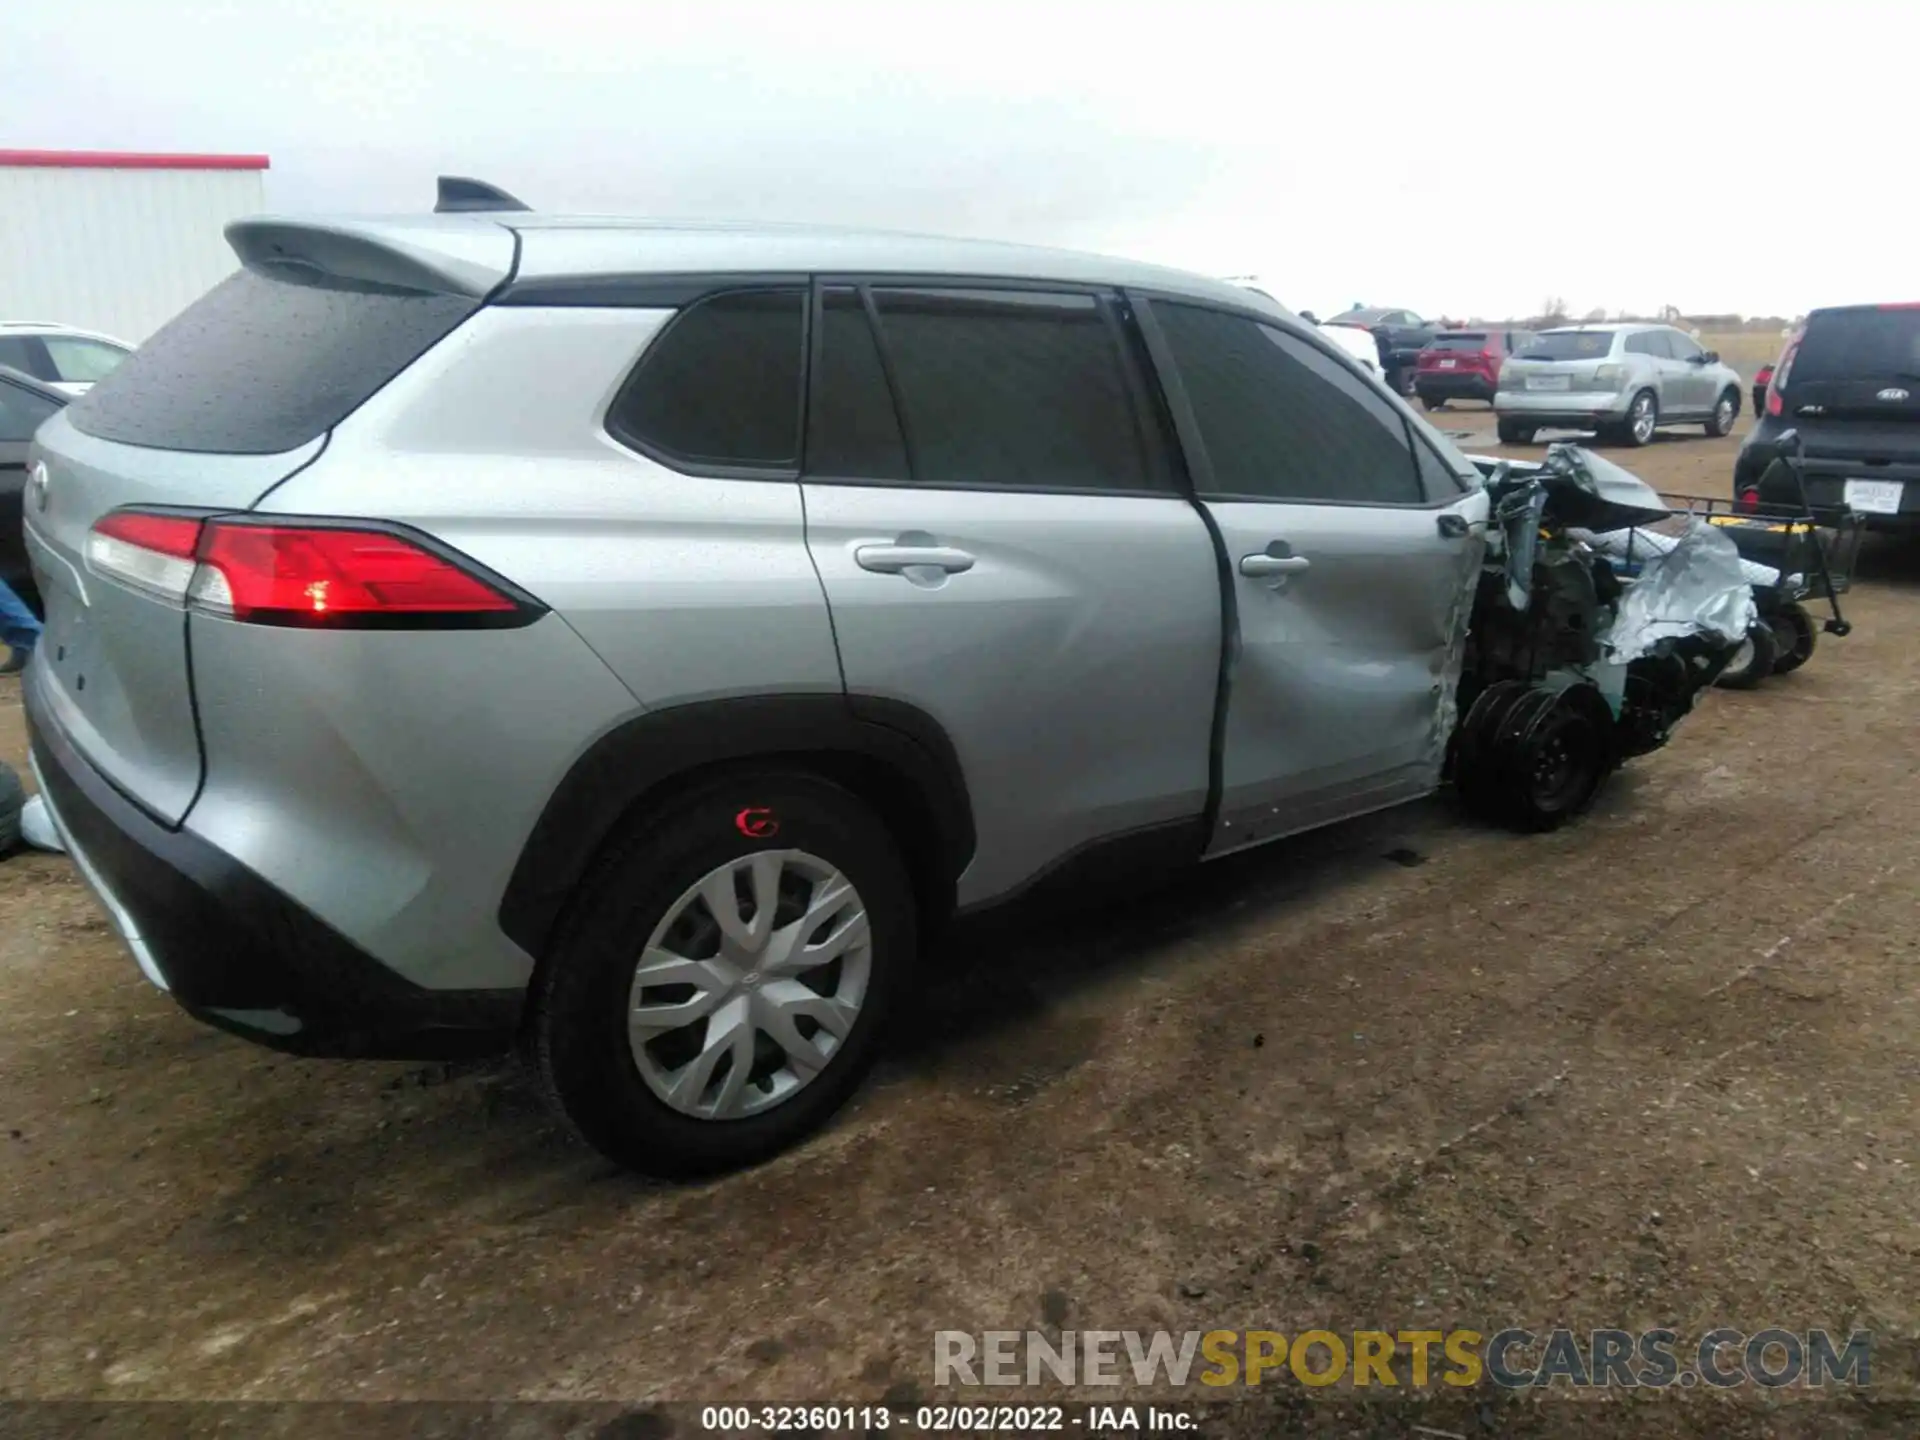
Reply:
x=292, y=575
x=149, y=551
x=309, y=575
x=1747, y=502
x=1775, y=405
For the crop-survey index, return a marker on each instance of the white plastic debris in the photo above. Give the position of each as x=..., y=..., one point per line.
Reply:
x=37, y=829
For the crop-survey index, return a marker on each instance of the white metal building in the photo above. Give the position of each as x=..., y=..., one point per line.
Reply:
x=117, y=242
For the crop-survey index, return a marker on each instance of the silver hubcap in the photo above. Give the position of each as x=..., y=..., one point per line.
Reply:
x=1742, y=658
x=750, y=984
x=1643, y=418
x=1723, y=415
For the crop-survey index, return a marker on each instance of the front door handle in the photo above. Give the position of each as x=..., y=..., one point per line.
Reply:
x=1261, y=565
x=894, y=559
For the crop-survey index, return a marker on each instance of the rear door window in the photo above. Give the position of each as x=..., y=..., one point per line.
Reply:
x=1014, y=389
x=1280, y=420
x=721, y=385
x=853, y=432
x=22, y=412
x=257, y=366
x=23, y=353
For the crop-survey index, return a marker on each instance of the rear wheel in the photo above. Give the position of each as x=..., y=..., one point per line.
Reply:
x=1427, y=402
x=1514, y=433
x=721, y=979
x=1752, y=662
x=1643, y=419
x=1794, y=636
x=1724, y=411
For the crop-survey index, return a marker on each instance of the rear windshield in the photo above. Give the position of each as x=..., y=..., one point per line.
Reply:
x=1865, y=344
x=256, y=365
x=1568, y=345
x=1461, y=340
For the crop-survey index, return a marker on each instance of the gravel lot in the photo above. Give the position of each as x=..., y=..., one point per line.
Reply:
x=1655, y=1069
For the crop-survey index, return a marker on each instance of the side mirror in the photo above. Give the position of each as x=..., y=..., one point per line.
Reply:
x=1709, y=357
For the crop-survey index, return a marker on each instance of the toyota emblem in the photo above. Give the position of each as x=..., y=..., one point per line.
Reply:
x=1893, y=394
x=38, y=485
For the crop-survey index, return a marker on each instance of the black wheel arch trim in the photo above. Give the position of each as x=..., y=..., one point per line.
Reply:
x=648, y=757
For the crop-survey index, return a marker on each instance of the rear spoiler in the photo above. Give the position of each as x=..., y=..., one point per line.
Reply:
x=455, y=256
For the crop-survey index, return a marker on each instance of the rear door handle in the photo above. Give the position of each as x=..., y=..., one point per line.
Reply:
x=893, y=559
x=1258, y=565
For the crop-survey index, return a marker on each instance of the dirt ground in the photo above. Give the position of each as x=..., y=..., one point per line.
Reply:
x=1656, y=1069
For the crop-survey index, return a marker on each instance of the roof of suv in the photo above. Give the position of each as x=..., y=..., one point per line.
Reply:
x=554, y=247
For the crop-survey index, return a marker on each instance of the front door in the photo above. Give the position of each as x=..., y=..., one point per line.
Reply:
x=1690, y=381
x=1353, y=551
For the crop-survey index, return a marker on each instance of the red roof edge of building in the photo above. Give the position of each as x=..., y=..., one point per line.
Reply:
x=125, y=160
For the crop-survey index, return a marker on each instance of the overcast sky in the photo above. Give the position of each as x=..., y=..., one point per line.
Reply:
x=1460, y=158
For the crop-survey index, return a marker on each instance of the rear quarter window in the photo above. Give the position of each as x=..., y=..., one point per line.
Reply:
x=259, y=365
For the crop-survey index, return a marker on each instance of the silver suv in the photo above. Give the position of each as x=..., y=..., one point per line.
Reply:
x=1624, y=381
x=637, y=640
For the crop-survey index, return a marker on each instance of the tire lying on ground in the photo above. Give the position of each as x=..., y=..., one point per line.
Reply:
x=1753, y=661
x=1794, y=636
x=12, y=797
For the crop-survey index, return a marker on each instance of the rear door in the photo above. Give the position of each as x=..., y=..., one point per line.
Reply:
x=1354, y=550
x=1851, y=385
x=232, y=396
x=1006, y=549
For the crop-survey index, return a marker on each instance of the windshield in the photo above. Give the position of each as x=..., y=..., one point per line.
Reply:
x=1863, y=344
x=1568, y=345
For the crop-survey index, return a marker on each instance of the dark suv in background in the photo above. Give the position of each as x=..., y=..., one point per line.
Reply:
x=1849, y=383
x=1464, y=365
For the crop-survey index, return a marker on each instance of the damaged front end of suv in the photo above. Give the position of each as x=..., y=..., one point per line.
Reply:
x=1570, y=667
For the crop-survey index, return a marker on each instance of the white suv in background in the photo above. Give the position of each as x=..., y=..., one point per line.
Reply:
x=62, y=356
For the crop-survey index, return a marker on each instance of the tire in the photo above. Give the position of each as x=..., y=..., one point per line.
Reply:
x=1725, y=411
x=1427, y=402
x=1555, y=765
x=13, y=798
x=1514, y=433
x=1752, y=662
x=611, y=1079
x=1643, y=420
x=1794, y=638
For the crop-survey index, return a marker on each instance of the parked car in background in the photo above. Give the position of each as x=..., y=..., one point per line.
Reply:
x=25, y=405
x=1464, y=365
x=60, y=355
x=775, y=712
x=1623, y=380
x=1360, y=344
x=1849, y=383
x=1762, y=379
x=1400, y=336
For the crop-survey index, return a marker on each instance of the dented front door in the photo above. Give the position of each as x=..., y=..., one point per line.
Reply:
x=1352, y=548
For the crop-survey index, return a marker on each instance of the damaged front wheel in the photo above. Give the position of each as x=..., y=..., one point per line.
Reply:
x=1532, y=757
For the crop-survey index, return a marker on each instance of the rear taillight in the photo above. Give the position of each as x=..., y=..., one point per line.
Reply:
x=148, y=550
x=1775, y=404
x=1747, y=502
x=314, y=575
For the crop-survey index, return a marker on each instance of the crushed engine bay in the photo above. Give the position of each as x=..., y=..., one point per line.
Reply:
x=1570, y=667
